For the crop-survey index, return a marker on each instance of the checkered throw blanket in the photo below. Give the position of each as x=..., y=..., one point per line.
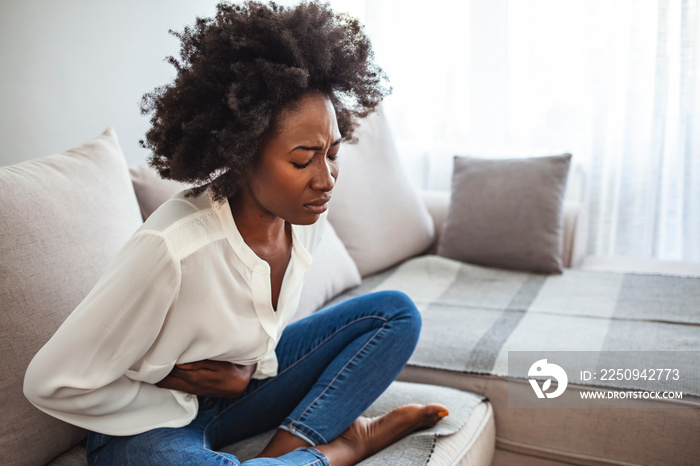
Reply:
x=472, y=316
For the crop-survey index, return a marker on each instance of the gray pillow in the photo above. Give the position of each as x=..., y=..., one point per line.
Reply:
x=507, y=213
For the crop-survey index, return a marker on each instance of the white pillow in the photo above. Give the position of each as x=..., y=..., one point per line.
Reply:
x=376, y=212
x=332, y=272
x=152, y=190
x=63, y=218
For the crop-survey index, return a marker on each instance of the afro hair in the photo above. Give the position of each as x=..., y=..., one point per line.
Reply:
x=235, y=74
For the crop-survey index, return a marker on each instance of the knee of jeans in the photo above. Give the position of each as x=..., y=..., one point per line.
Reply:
x=402, y=309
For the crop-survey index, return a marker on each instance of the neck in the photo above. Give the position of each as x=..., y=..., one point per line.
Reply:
x=257, y=226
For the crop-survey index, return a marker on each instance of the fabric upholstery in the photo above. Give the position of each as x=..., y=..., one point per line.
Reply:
x=507, y=213
x=376, y=212
x=152, y=190
x=62, y=220
x=473, y=444
x=575, y=234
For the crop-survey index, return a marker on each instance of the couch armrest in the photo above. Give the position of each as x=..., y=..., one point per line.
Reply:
x=437, y=203
x=575, y=235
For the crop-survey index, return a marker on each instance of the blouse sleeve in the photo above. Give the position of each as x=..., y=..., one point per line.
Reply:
x=79, y=375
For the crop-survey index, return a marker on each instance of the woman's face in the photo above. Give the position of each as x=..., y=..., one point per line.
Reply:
x=297, y=167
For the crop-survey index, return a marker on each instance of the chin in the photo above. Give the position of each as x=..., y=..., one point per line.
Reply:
x=304, y=219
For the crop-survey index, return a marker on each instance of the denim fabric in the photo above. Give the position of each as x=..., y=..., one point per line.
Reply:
x=332, y=365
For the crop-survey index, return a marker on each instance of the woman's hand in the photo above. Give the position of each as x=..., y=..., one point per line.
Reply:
x=209, y=378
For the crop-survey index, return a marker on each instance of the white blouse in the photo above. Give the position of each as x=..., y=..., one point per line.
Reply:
x=184, y=288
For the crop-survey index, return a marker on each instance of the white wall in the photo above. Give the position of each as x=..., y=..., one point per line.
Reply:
x=71, y=68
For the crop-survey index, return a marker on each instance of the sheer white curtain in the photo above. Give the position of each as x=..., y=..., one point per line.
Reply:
x=614, y=82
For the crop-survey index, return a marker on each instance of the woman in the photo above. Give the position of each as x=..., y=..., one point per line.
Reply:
x=183, y=345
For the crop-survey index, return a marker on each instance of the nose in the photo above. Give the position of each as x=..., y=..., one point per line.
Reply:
x=324, y=176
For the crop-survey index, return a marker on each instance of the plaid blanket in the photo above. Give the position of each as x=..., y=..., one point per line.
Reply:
x=473, y=316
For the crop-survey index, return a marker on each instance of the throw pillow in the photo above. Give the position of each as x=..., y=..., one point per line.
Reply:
x=152, y=190
x=376, y=212
x=507, y=213
x=62, y=220
x=332, y=272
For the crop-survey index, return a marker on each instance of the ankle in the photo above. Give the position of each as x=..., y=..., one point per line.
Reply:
x=282, y=442
x=341, y=452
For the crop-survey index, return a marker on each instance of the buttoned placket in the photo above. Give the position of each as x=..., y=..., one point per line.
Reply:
x=300, y=260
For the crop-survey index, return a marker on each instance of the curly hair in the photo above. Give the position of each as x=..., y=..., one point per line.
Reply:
x=238, y=70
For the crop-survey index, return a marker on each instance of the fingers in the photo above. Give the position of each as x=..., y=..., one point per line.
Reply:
x=193, y=376
x=206, y=364
x=201, y=377
x=175, y=383
x=209, y=378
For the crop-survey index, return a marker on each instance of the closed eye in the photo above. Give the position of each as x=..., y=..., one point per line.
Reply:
x=300, y=166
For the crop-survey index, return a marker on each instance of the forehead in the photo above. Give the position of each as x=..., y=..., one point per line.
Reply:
x=312, y=116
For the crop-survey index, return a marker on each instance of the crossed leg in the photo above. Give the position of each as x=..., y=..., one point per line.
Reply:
x=332, y=366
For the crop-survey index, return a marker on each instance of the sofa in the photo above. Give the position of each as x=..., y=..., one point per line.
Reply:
x=66, y=215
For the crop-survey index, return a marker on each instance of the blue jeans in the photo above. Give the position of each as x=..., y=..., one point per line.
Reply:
x=332, y=366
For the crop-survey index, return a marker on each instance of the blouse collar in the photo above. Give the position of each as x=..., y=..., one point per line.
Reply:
x=296, y=269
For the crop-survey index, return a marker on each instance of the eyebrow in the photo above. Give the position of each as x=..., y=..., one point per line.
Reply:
x=315, y=147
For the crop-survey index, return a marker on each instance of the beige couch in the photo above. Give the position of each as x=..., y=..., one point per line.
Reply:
x=66, y=215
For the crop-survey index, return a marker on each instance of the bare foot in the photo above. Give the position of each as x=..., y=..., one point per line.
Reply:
x=367, y=436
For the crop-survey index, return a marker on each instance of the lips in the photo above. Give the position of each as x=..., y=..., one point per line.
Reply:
x=318, y=202
x=318, y=206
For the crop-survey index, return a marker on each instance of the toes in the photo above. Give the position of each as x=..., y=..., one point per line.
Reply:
x=433, y=413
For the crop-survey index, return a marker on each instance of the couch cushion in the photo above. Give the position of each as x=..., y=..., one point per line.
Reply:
x=507, y=213
x=63, y=218
x=376, y=212
x=152, y=190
